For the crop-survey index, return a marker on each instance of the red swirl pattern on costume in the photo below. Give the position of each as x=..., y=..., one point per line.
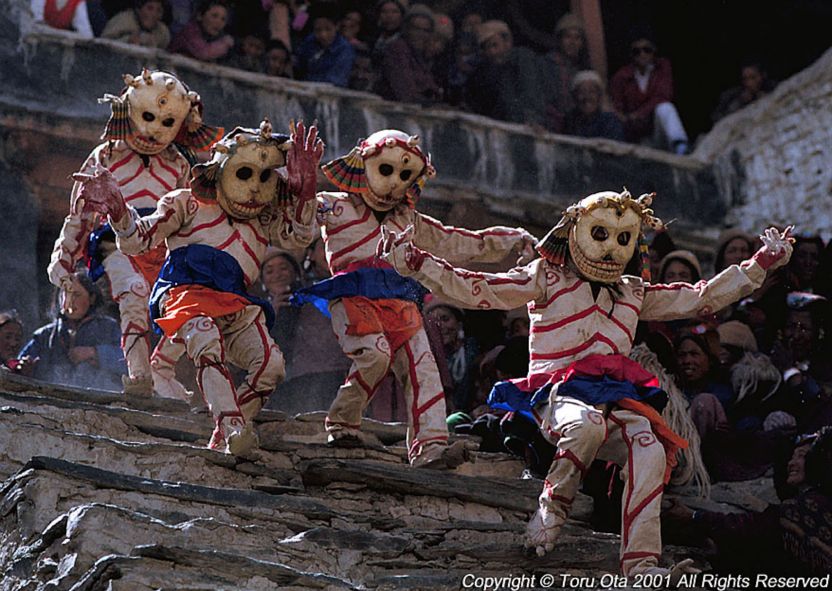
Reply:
x=552, y=278
x=382, y=344
x=595, y=417
x=644, y=438
x=202, y=324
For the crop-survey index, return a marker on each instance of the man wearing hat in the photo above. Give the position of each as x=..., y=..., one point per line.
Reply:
x=507, y=84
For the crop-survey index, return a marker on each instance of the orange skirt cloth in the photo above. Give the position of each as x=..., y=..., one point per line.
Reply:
x=190, y=301
x=398, y=320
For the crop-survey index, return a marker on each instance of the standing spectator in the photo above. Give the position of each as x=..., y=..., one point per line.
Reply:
x=642, y=92
x=350, y=27
x=63, y=14
x=569, y=58
x=280, y=275
x=140, y=25
x=405, y=67
x=81, y=347
x=588, y=118
x=506, y=84
x=278, y=59
x=390, y=19
x=460, y=352
x=251, y=53
x=325, y=55
x=11, y=338
x=204, y=37
x=754, y=84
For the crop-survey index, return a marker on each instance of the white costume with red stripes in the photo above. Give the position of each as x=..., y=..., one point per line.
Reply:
x=181, y=220
x=351, y=231
x=143, y=181
x=570, y=323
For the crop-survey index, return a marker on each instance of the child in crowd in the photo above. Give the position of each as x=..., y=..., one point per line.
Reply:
x=325, y=55
x=204, y=37
x=140, y=25
x=278, y=59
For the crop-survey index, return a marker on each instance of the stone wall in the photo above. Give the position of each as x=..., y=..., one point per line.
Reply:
x=771, y=160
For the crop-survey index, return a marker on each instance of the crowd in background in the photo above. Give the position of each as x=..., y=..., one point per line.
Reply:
x=413, y=53
x=756, y=376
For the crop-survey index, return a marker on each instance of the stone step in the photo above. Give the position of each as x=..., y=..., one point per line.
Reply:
x=163, y=568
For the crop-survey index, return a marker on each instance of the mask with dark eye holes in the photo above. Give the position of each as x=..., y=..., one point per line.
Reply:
x=243, y=173
x=158, y=104
x=603, y=239
x=393, y=162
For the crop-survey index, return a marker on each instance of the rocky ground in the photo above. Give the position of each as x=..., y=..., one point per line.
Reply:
x=104, y=493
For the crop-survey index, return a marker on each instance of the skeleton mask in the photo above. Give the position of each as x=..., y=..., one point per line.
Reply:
x=243, y=175
x=601, y=232
x=393, y=162
x=157, y=105
x=386, y=169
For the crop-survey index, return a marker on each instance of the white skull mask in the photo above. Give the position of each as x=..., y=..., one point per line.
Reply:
x=392, y=163
x=158, y=105
x=247, y=179
x=604, y=237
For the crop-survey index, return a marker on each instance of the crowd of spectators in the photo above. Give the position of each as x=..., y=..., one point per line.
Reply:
x=414, y=53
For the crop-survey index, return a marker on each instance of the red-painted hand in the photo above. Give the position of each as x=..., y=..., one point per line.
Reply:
x=99, y=192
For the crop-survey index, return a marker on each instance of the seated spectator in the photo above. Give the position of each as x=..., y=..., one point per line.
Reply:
x=642, y=94
x=562, y=64
x=363, y=77
x=250, y=55
x=140, y=25
x=506, y=84
x=390, y=19
x=63, y=14
x=278, y=59
x=680, y=265
x=754, y=378
x=792, y=538
x=80, y=347
x=733, y=247
x=324, y=55
x=800, y=354
x=470, y=22
x=660, y=246
x=11, y=338
x=754, y=84
x=702, y=382
x=350, y=28
x=439, y=52
x=315, y=364
x=802, y=270
x=181, y=13
x=204, y=37
x=405, y=73
x=465, y=60
x=588, y=118
x=460, y=352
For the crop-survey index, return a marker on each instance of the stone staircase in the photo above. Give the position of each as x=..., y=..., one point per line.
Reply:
x=107, y=493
